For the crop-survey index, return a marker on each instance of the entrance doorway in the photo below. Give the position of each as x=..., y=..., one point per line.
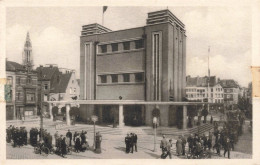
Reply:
x=108, y=114
x=134, y=115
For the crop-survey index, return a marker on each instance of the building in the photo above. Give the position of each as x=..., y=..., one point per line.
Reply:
x=145, y=64
x=47, y=76
x=231, y=91
x=22, y=82
x=66, y=88
x=197, y=89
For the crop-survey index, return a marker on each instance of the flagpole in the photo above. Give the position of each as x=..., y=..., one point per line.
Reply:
x=208, y=78
x=103, y=18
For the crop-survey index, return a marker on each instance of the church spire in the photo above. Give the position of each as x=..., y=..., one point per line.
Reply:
x=27, y=53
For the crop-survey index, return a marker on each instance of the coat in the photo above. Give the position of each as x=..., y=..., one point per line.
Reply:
x=179, y=147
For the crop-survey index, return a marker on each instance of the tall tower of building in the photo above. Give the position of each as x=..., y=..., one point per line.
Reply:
x=27, y=53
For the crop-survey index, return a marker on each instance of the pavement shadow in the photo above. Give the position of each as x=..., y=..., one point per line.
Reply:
x=153, y=155
x=120, y=148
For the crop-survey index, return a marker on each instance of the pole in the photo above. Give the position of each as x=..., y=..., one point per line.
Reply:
x=154, y=150
x=94, y=144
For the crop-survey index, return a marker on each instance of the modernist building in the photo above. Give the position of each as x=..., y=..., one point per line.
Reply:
x=22, y=82
x=197, y=89
x=145, y=64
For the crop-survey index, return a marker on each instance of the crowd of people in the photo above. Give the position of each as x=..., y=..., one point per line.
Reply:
x=131, y=143
x=16, y=135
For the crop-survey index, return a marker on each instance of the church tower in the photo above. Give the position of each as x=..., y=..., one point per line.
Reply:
x=27, y=53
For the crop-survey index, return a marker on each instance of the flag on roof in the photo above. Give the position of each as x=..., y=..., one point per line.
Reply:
x=104, y=9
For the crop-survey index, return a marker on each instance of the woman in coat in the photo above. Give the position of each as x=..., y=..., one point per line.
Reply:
x=179, y=146
x=77, y=143
x=63, y=147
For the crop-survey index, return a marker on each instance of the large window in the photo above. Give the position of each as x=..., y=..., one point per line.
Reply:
x=29, y=80
x=103, y=48
x=114, y=47
x=19, y=96
x=18, y=79
x=126, y=77
x=139, y=44
x=126, y=45
x=139, y=77
x=114, y=78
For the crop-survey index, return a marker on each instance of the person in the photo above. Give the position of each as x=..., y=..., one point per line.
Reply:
x=205, y=142
x=168, y=150
x=127, y=143
x=190, y=142
x=84, y=142
x=227, y=147
x=218, y=144
x=163, y=144
x=69, y=135
x=179, y=146
x=198, y=148
x=135, y=141
x=56, y=136
x=183, y=144
x=74, y=136
x=77, y=143
x=63, y=147
x=131, y=143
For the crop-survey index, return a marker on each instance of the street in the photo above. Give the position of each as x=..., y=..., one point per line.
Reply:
x=113, y=145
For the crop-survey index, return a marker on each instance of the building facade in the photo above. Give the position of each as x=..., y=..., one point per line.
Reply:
x=67, y=88
x=231, y=91
x=197, y=90
x=48, y=76
x=22, y=82
x=145, y=63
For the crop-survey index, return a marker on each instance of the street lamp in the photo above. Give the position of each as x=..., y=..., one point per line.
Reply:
x=94, y=118
x=155, y=122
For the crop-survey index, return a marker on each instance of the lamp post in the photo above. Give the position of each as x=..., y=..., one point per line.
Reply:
x=94, y=118
x=155, y=121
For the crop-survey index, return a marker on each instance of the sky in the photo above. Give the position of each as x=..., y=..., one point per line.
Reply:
x=55, y=35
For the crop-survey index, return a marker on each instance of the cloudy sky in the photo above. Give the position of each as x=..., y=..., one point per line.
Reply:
x=55, y=32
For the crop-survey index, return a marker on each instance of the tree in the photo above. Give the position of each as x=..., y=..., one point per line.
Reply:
x=245, y=106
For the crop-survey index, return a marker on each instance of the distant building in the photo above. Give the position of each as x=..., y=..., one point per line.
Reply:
x=67, y=88
x=144, y=63
x=231, y=91
x=56, y=84
x=48, y=76
x=22, y=84
x=197, y=89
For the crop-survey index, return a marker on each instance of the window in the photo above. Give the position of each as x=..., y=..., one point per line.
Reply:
x=18, y=95
x=114, y=47
x=103, y=48
x=212, y=95
x=211, y=89
x=126, y=45
x=45, y=97
x=10, y=80
x=114, y=78
x=126, y=77
x=29, y=80
x=139, y=77
x=228, y=96
x=30, y=97
x=103, y=78
x=139, y=44
x=18, y=80
x=45, y=86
